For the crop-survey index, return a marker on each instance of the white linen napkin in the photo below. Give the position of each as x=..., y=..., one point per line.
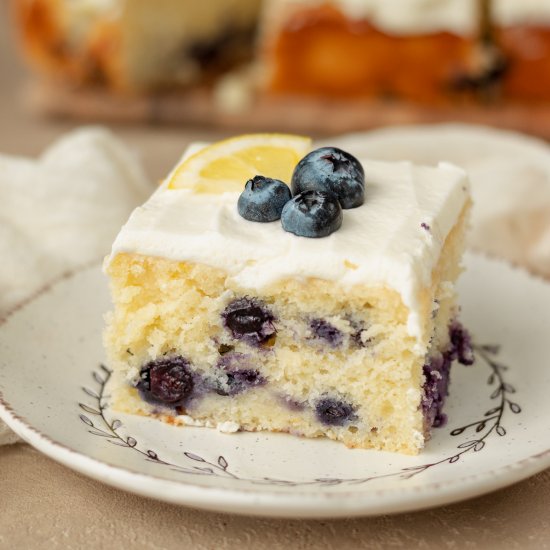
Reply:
x=62, y=210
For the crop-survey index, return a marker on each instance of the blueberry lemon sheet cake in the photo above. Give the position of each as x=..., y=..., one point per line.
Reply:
x=268, y=286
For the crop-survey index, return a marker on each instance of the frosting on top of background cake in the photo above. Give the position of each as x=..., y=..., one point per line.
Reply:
x=398, y=16
x=518, y=12
x=393, y=240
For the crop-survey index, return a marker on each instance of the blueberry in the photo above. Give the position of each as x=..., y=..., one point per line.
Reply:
x=263, y=199
x=334, y=412
x=249, y=319
x=166, y=380
x=312, y=214
x=333, y=171
x=325, y=331
x=237, y=381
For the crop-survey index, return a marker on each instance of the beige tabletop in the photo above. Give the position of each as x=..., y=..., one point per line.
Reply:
x=45, y=505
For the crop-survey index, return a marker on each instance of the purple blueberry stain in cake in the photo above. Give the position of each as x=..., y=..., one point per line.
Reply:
x=323, y=330
x=436, y=388
x=235, y=375
x=437, y=374
x=168, y=380
x=238, y=381
x=425, y=226
x=334, y=412
x=292, y=404
x=462, y=344
x=249, y=319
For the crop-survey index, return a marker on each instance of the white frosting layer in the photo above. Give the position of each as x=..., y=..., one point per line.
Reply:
x=510, y=177
x=380, y=243
x=402, y=16
x=521, y=12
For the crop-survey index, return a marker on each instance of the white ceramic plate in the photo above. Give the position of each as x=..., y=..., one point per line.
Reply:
x=54, y=393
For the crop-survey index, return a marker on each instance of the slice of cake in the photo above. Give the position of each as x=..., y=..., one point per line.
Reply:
x=250, y=325
x=369, y=49
x=136, y=45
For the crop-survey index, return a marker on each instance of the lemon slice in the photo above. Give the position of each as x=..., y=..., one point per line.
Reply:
x=227, y=165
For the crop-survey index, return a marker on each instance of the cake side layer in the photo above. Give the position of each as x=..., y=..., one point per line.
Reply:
x=321, y=344
x=393, y=240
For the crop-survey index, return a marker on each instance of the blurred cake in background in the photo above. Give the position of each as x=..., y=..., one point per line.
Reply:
x=252, y=64
x=421, y=50
x=522, y=29
x=415, y=49
x=136, y=45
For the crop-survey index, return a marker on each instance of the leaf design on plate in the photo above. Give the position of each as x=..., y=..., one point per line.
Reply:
x=116, y=424
x=105, y=369
x=501, y=431
x=206, y=470
x=131, y=442
x=514, y=407
x=454, y=459
x=90, y=392
x=467, y=444
x=478, y=446
x=89, y=409
x=152, y=454
x=98, y=378
x=118, y=442
x=86, y=420
x=222, y=462
x=100, y=433
x=496, y=393
x=193, y=456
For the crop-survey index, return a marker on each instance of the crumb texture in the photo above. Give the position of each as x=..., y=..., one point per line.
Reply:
x=306, y=357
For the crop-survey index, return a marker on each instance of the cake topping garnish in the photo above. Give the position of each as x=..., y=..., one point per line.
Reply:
x=323, y=182
x=223, y=166
x=263, y=199
x=331, y=170
x=312, y=214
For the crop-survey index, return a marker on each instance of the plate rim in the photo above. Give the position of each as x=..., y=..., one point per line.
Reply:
x=268, y=503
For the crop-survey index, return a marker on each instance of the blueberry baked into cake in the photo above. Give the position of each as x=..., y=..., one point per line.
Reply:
x=266, y=286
